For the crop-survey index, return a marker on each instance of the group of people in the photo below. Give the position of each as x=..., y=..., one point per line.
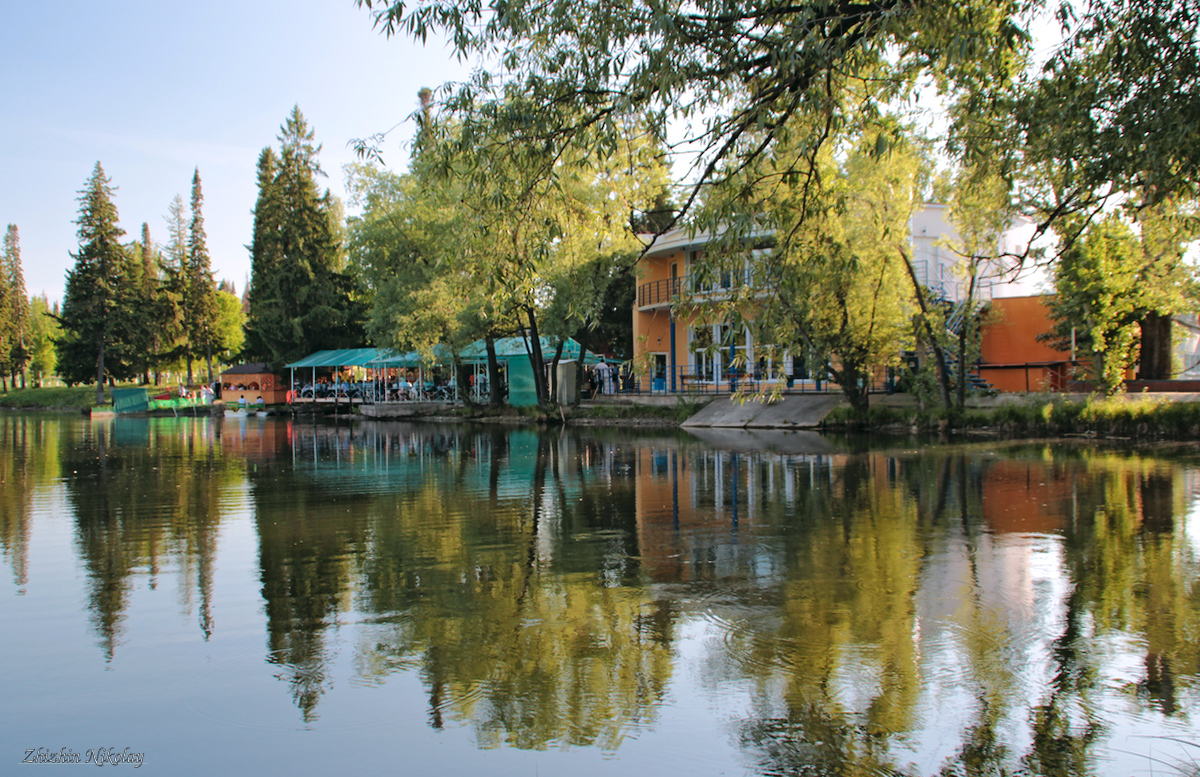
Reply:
x=206, y=393
x=604, y=379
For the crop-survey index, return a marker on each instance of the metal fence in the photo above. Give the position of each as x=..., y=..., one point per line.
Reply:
x=686, y=381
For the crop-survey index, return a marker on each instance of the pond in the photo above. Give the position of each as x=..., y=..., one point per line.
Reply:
x=257, y=595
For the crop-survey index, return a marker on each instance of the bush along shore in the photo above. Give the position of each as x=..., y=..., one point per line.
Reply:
x=1118, y=418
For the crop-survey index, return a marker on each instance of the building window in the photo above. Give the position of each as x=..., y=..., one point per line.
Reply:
x=704, y=355
x=734, y=347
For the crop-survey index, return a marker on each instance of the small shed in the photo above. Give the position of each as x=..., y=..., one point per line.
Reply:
x=250, y=381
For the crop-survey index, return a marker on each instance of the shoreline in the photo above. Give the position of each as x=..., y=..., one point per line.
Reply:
x=1158, y=420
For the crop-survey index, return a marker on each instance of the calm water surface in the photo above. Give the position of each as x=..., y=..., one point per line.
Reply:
x=256, y=596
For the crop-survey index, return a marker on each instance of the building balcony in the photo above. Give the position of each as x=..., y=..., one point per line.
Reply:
x=658, y=294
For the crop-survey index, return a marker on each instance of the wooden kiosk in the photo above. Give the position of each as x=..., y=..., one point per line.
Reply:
x=251, y=381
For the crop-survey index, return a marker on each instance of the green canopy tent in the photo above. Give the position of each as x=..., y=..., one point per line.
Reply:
x=410, y=360
x=339, y=359
x=512, y=351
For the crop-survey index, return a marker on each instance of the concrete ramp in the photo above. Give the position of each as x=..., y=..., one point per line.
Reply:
x=793, y=411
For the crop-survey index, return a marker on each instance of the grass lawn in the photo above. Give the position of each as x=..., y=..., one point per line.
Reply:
x=57, y=397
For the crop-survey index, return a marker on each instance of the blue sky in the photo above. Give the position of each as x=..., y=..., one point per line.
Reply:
x=154, y=88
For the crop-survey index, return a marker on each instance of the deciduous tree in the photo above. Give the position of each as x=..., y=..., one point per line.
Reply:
x=1109, y=122
x=488, y=231
x=719, y=80
x=44, y=330
x=1096, y=304
x=825, y=276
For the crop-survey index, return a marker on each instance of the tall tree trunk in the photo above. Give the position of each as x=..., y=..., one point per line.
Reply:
x=100, y=374
x=939, y=352
x=538, y=363
x=1154, y=363
x=493, y=371
x=189, y=366
x=964, y=333
x=856, y=391
x=554, y=370
x=462, y=382
x=961, y=388
x=208, y=355
x=849, y=379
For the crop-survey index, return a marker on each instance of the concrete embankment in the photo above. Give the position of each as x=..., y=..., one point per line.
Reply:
x=794, y=411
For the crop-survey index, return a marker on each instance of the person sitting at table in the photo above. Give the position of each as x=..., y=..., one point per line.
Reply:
x=404, y=387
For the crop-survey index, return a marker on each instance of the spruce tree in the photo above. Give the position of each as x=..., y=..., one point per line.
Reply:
x=154, y=325
x=199, y=297
x=174, y=263
x=19, y=302
x=149, y=290
x=261, y=303
x=96, y=313
x=300, y=298
x=7, y=324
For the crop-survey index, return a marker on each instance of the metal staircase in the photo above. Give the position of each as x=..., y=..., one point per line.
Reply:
x=955, y=319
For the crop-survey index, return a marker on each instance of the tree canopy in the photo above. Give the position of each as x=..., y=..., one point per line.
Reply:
x=718, y=82
x=825, y=279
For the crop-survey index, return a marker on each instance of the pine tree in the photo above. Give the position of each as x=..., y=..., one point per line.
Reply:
x=199, y=297
x=300, y=298
x=96, y=313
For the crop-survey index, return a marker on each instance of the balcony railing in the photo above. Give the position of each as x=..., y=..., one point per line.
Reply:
x=659, y=292
x=664, y=292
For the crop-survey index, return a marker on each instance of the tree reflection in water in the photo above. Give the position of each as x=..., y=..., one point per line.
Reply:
x=471, y=573
x=144, y=491
x=31, y=446
x=515, y=571
x=962, y=611
x=1032, y=649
